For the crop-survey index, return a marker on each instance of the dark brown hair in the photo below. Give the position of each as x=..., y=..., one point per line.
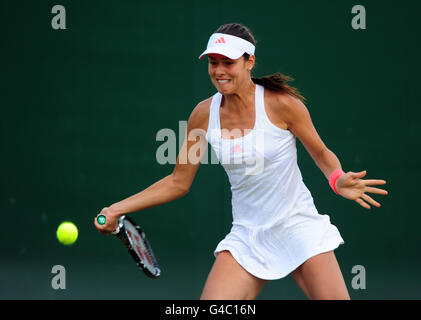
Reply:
x=275, y=82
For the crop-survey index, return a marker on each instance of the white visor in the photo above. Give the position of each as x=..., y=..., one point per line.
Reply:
x=229, y=46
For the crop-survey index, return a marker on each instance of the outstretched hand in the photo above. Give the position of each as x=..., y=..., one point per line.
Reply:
x=351, y=186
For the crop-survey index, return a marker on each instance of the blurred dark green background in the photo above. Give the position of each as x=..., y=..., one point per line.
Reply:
x=81, y=107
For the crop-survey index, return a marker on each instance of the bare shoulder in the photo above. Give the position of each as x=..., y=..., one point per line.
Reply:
x=282, y=101
x=199, y=117
x=284, y=107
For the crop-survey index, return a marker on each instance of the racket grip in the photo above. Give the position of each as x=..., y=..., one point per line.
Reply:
x=101, y=219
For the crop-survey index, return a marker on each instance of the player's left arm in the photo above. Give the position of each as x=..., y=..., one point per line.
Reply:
x=298, y=120
x=350, y=185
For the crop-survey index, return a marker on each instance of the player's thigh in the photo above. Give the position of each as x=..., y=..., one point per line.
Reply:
x=228, y=280
x=320, y=277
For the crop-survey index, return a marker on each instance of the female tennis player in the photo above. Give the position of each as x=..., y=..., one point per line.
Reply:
x=252, y=125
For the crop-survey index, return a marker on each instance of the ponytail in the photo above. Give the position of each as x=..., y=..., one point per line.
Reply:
x=278, y=82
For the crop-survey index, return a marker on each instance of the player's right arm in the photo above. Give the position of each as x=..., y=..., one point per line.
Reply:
x=176, y=184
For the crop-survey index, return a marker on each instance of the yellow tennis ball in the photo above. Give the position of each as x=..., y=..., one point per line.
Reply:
x=67, y=233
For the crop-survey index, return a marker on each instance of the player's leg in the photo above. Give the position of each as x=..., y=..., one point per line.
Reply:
x=228, y=280
x=320, y=278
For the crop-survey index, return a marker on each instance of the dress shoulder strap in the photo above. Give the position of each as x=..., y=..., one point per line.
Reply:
x=214, y=122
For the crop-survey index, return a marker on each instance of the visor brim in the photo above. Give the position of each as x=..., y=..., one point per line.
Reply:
x=227, y=52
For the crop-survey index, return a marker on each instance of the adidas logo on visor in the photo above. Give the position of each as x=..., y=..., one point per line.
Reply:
x=220, y=40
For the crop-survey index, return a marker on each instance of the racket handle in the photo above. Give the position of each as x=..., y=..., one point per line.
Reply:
x=101, y=219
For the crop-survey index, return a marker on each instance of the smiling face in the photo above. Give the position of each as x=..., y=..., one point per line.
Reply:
x=228, y=75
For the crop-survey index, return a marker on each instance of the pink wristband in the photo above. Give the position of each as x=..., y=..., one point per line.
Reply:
x=333, y=177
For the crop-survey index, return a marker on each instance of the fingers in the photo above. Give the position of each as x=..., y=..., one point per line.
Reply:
x=368, y=199
x=376, y=190
x=101, y=228
x=374, y=182
x=362, y=203
x=358, y=174
x=365, y=200
x=107, y=227
x=368, y=181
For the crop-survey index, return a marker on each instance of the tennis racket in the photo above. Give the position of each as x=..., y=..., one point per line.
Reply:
x=134, y=239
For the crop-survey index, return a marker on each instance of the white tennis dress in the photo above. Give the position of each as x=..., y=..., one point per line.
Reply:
x=276, y=226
